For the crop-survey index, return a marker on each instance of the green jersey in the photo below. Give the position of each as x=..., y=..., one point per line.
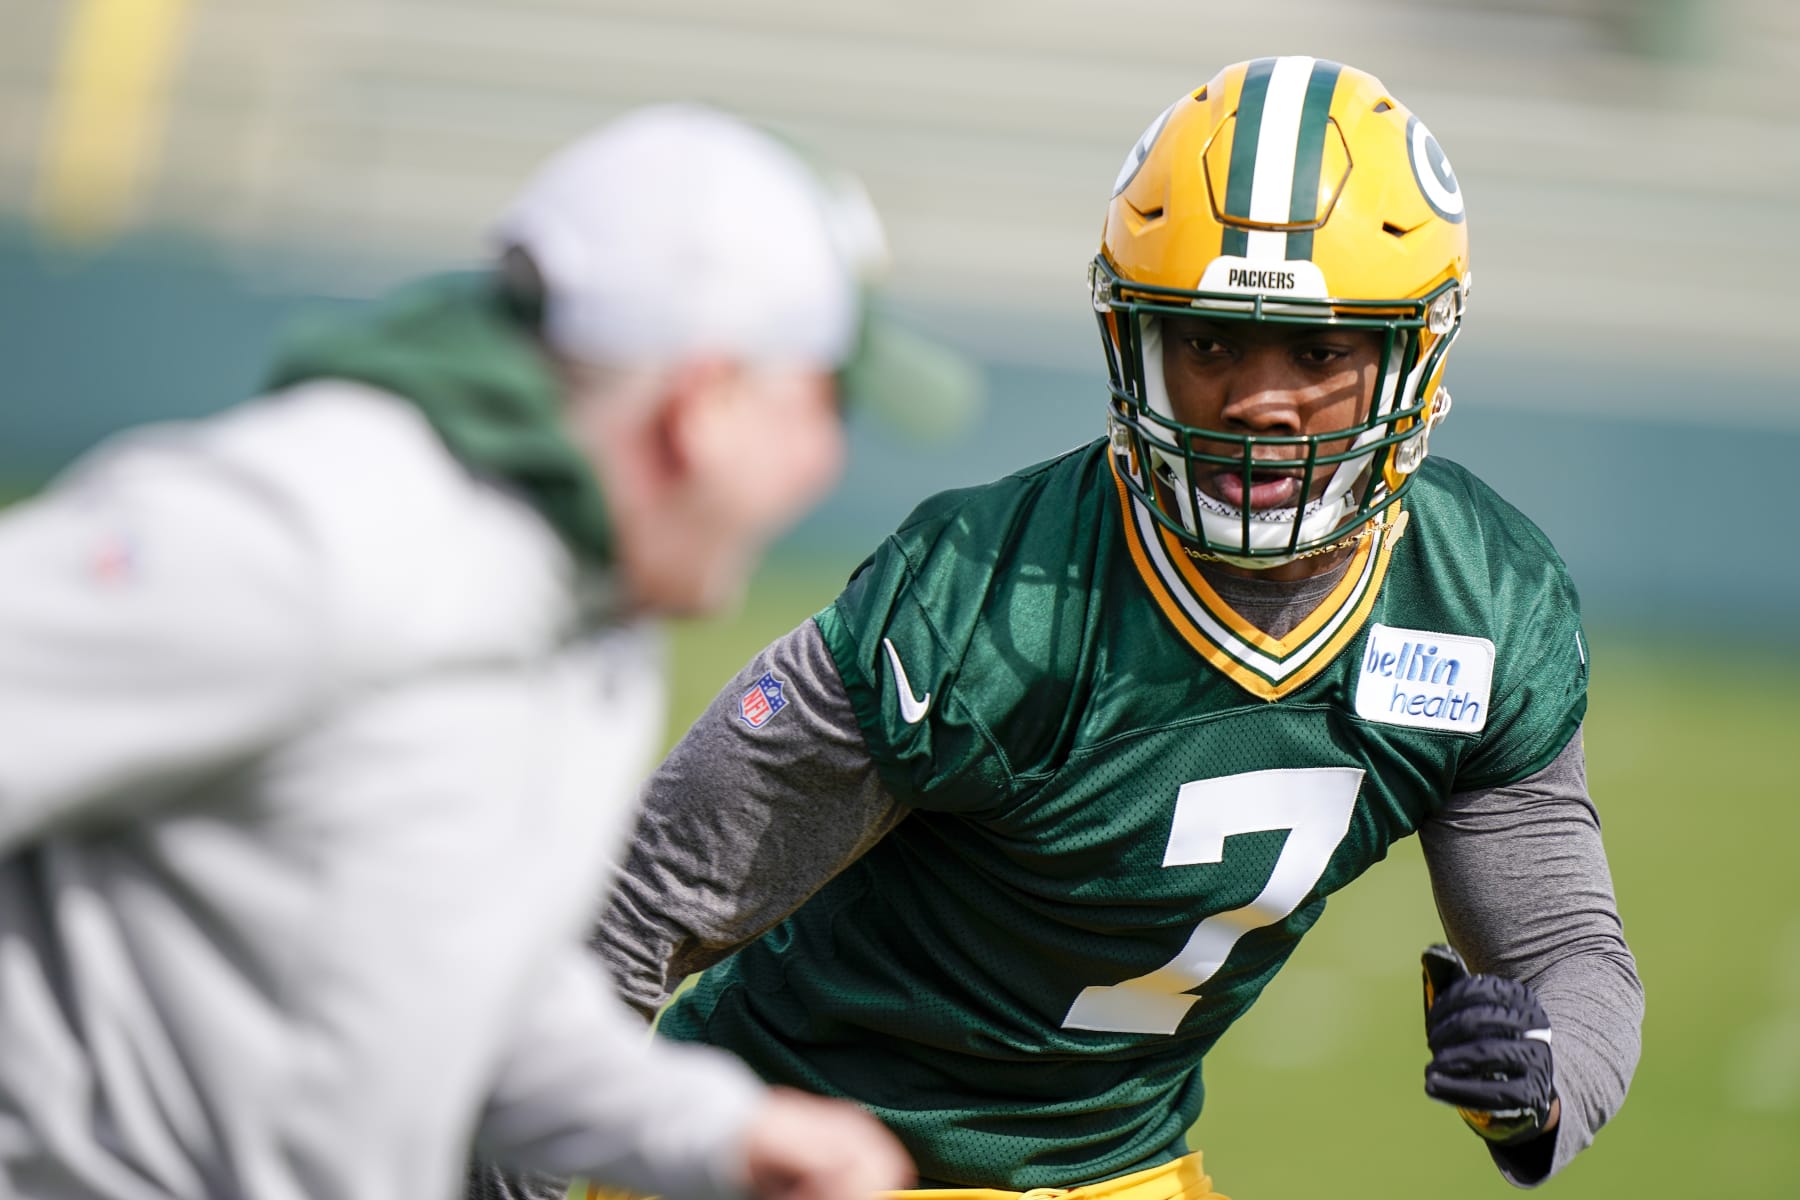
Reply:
x=1126, y=804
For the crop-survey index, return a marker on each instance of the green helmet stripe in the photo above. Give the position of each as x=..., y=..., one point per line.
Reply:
x=1246, y=132
x=1309, y=154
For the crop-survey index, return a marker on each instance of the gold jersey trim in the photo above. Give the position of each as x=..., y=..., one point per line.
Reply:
x=1267, y=667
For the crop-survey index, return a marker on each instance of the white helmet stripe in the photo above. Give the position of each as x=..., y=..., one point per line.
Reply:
x=1277, y=144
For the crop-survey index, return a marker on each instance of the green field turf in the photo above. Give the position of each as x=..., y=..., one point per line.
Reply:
x=1693, y=755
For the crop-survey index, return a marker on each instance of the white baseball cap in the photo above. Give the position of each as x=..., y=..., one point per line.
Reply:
x=677, y=229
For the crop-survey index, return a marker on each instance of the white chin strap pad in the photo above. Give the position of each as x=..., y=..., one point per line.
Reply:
x=1156, y=396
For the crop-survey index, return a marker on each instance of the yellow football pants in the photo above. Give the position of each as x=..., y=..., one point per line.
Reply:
x=1182, y=1179
x=1179, y=1180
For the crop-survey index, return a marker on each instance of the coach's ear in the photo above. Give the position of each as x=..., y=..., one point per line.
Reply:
x=692, y=431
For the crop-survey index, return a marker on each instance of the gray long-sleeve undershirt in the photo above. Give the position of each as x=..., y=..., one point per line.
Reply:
x=1519, y=874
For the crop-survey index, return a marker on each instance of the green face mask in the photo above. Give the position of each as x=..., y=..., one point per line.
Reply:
x=1346, y=474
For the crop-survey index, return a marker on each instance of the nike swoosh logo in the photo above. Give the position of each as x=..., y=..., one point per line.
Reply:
x=912, y=708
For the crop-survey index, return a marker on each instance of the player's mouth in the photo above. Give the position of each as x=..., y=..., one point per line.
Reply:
x=1273, y=488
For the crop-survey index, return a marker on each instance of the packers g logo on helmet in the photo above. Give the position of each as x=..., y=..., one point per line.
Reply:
x=1432, y=171
x=1292, y=191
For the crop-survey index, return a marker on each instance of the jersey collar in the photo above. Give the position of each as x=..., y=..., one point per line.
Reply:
x=1267, y=667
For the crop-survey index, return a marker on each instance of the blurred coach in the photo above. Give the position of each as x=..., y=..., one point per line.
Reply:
x=319, y=719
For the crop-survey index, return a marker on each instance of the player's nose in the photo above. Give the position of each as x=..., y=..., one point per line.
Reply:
x=1263, y=394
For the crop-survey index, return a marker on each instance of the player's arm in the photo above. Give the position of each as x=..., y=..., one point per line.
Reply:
x=752, y=812
x=1522, y=885
x=159, y=620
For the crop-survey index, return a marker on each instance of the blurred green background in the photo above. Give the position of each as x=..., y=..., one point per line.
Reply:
x=178, y=178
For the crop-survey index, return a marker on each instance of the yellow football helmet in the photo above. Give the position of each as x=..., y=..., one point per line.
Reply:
x=1294, y=191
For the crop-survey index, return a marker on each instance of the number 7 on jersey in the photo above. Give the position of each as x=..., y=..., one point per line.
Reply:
x=1312, y=803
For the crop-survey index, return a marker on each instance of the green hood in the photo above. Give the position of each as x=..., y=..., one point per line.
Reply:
x=466, y=357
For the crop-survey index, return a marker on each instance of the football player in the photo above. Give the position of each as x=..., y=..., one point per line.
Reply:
x=1077, y=757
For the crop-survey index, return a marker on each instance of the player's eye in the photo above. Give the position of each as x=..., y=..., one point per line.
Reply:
x=1321, y=354
x=1206, y=346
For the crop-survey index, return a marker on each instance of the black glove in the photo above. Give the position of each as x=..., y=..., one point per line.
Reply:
x=1490, y=1049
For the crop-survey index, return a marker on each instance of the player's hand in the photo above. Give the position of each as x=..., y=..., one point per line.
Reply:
x=1490, y=1050
x=802, y=1147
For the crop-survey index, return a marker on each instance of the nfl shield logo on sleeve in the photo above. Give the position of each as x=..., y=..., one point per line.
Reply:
x=758, y=706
